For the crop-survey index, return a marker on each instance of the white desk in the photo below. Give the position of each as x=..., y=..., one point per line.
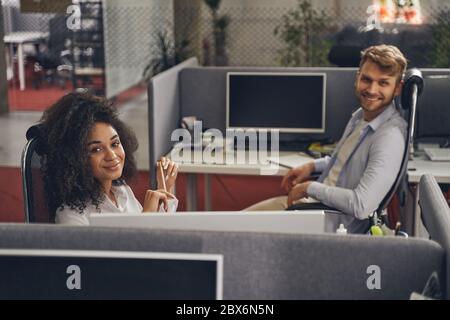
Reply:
x=307, y=221
x=19, y=38
x=192, y=169
x=421, y=165
x=417, y=167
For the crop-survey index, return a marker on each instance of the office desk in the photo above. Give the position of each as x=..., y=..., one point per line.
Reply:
x=439, y=169
x=192, y=169
x=307, y=221
x=19, y=38
x=417, y=167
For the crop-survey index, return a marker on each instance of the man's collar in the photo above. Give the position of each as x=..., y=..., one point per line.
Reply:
x=379, y=120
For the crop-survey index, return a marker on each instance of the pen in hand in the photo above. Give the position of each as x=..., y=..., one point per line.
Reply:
x=161, y=173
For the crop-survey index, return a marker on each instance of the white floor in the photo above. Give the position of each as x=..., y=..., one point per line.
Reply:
x=14, y=125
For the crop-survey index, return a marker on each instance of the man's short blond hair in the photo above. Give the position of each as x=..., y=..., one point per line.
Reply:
x=389, y=58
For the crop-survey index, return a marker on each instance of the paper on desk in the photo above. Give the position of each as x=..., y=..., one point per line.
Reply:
x=291, y=160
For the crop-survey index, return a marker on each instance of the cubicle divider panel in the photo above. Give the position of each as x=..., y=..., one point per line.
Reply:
x=164, y=112
x=203, y=94
x=354, y=267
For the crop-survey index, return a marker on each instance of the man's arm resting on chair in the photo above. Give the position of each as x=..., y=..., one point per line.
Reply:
x=384, y=161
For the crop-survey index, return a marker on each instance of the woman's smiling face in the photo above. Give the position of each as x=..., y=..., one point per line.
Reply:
x=106, y=154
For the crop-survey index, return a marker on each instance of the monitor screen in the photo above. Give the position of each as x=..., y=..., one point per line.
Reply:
x=433, y=108
x=88, y=274
x=290, y=102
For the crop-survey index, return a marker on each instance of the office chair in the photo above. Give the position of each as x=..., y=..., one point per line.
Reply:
x=54, y=64
x=435, y=215
x=36, y=209
x=412, y=88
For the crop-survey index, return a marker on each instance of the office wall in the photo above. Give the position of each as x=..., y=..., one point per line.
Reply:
x=7, y=12
x=15, y=20
x=187, y=23
x=250, y=35
x=131, y=31
x=3, y=81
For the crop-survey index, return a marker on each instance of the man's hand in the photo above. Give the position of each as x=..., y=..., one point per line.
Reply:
x=297, y=175
x=170, y=172
x=154, y=198
x=298, y=192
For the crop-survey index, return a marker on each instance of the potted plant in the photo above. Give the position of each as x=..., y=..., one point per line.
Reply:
x=219, y=24
x=440, y=45
x=165, y=55
x=302, y=32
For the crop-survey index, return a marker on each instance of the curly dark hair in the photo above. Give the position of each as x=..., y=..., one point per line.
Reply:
x=66, y=170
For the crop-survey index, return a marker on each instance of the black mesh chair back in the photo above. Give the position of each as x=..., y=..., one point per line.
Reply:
x=36, y=209
x=412, y=88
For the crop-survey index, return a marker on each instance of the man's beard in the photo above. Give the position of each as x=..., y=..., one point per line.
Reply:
x=385, y=102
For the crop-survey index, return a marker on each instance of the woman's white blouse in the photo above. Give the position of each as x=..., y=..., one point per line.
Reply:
x=126, y=201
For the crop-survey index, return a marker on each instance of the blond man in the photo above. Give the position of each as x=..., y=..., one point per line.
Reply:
x=366, y=161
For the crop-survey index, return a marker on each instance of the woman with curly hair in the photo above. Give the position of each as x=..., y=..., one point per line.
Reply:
x=89, y=156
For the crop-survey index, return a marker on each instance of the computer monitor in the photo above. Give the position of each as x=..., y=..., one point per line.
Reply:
x=290, y=102
x=89, y=274
x=433, y=108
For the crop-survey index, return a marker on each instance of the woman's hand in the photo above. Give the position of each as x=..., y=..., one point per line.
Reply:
x=298, y=192
x=154, y=198
x=297, y=175
x=167, y=175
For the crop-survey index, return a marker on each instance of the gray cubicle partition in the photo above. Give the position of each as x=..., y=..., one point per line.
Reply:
x=266, y=265
x=203, y=93
x=3, y=76
x=164, y=112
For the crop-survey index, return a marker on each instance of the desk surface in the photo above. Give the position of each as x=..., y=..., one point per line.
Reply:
x=421, y=165
x=24, y=36
x=255, y=167
x=417, y=167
